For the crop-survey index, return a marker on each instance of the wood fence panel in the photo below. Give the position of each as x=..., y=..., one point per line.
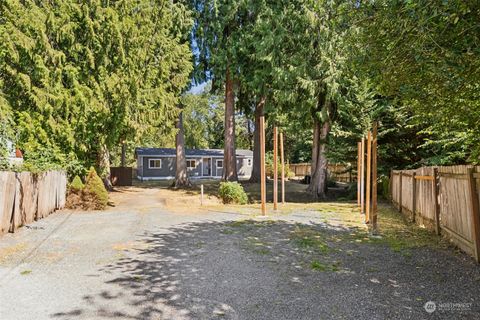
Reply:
x=43, y=195
x=7, y=199
x=455, y=210
x=407, y=190
x=62, y=190
x=425, y=202
x=25, y=197
x=54, y=175
x=25, y=200
x=451, y=201
x=338, y=172
x=16, y=219
x=396, y=187
x=30, y=195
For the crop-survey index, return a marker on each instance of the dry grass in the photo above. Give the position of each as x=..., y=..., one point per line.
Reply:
x=6, y=253
x=393, y=229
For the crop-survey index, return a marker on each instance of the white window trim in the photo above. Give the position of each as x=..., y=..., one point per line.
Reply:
x=216, y=163
x=194, y=162
x=154, y=159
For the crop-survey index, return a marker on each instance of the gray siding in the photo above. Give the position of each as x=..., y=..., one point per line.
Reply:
x=243, y=169
x=197, y=171
x=169, y=165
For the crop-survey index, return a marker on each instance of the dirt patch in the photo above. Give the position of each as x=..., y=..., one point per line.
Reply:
x=144, y=199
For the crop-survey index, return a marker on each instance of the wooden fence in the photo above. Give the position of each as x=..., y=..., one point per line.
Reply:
x=443, y=199
x=25, y=197
x=121, y=176
x=338, y=172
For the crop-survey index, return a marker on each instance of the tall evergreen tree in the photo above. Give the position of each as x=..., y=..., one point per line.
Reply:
x=79, y=77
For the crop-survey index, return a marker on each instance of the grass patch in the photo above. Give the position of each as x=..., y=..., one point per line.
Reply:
x=395, y=232
x=323, y=267
x=401, y=235
x=262, y=251
x=257, y=246
x=310, y=239
x=25, y=272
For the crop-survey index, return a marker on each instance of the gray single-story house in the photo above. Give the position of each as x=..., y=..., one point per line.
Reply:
x=159, y=163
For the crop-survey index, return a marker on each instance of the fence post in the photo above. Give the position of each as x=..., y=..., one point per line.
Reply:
x=275, y=168
x=390, y=185
x=282, y=160
x=414, y=195
x=359, y=166
x=400, y=191
x=369, y=178
x=362, y=178
x=435, y=200
x=263, y=180
x=374, y=176
x=475, y=213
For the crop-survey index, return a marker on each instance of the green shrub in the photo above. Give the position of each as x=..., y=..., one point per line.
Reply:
x=95, y=189
x=77, y=184
x=232, y=192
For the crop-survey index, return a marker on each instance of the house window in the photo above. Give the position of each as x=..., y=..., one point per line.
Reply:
x=191, y=164
x=155, y=163
x=249, y=162
x=219, y=164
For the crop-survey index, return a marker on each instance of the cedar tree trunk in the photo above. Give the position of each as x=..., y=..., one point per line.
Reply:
x=181, y=176
x=103, y=164
x=321, y=129
x=318, y=183
x=229, y=156
x=259, y=111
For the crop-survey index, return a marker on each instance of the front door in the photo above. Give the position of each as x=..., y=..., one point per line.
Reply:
x=207, y=167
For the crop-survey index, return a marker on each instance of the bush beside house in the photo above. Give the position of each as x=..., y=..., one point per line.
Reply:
x=232, y=192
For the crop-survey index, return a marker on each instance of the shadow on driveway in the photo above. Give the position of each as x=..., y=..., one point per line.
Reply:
x=277, y=270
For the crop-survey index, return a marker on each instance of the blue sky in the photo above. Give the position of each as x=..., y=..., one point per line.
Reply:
x=198, y=88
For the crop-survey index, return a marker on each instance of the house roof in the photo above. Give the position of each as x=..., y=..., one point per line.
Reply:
x=171, y=152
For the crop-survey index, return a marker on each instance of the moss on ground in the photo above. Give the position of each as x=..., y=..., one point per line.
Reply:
x=324, y=267
x=308, y=238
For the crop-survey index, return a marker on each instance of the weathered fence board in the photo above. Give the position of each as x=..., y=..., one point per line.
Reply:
x=25, y=197
x=337, y=172
x=442, y=202
x=7, y=199
x=121, y=176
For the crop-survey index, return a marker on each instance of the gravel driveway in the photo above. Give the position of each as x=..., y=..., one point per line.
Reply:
x=149, y=263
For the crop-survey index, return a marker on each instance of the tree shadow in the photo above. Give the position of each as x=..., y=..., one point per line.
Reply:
x=271, y=270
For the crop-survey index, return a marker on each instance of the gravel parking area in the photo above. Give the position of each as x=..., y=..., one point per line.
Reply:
x=150, y=263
